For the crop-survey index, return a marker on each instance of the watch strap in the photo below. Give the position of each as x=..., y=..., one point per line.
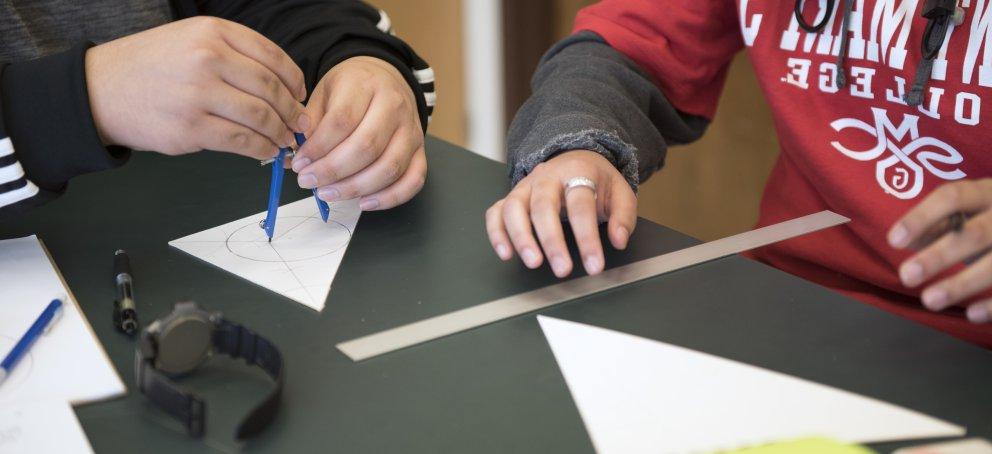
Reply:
x=237, y=341
x=186, y=407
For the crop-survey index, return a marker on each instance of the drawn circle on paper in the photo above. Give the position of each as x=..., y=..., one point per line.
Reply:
x=21, y=371
x=297, y=238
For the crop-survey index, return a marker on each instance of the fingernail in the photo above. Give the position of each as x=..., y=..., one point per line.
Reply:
x=502, y=251
x=934, y=299
x=530, y=257
x=593, y=264
x=302, y=123
x=331, y=195
x=911, y=274
x=368, y=204
x=978, y=313
x=899, y=236
x=289, y=141
x=307, y=181
x=624, y=236
x=559, y=266
x=300, y=163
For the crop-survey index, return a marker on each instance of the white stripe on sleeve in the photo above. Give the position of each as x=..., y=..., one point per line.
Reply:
x=6, y=147
x=424, y=76
x=384, y=25
x=11, y=173
x=8, y=198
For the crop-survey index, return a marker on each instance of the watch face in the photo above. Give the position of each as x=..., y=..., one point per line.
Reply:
x=183, y=344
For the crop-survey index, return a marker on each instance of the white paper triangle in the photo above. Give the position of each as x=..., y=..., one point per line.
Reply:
x=641, y=395
x=299, y=263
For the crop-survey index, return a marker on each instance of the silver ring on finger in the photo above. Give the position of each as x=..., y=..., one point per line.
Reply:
x=580, y=182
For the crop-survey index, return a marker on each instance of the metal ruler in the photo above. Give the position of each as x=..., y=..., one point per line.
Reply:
x=483, y=314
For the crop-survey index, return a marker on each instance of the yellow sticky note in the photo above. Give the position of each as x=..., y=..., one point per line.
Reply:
x=806, y=446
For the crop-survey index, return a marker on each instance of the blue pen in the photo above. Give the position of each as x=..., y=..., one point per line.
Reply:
x=322, y=207
x=275, y=188
x=39, y=327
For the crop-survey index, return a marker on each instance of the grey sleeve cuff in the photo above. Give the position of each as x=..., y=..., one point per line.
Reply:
x=621, y=154
x=587, y=95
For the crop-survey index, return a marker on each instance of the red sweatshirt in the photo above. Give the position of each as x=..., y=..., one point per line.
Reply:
x=860, y=150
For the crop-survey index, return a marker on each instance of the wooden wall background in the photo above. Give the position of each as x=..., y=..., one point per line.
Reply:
x=707, y=189
x=434, y=29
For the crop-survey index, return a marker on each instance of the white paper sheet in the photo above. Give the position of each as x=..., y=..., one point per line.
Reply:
x=41, y=427
x=640, y=395
x=68, y=363
x=299, y=263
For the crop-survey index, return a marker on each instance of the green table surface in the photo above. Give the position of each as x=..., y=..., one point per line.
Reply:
x=493, y=389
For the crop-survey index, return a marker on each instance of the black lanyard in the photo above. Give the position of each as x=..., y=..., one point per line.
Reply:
x=939, y=14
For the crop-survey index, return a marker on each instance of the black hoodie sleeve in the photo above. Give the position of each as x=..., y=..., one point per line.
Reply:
x=47, y=134
x=318, y=34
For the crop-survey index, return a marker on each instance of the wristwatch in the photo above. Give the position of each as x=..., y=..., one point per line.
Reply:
x=178, y=343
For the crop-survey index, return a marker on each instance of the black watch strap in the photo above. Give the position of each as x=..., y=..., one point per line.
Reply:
x=182, y=405
x=188, y=408
x=240, y=342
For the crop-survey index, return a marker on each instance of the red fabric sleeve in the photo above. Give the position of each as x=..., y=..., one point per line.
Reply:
x=685, y=45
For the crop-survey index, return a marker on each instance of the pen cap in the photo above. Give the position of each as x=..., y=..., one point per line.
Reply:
x=59, y=310
x=122, y=264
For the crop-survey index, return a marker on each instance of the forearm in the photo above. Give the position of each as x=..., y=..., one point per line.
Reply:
x=47, y=135
x=589, y=96
x=319, y=34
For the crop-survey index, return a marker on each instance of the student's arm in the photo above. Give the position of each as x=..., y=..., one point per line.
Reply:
x=367, y=140
x=319, y=34
x=178, y=88
x=589, y=96
x=638, y=77
x=47, y=134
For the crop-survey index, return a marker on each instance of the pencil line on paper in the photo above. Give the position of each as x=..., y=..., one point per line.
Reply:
x=297, y=278
x=293, y=227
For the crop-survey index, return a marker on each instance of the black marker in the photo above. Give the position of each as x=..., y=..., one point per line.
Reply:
x=125, y=314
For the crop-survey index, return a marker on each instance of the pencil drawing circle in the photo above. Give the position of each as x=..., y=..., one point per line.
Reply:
x=296, y=238
x=21, y=371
